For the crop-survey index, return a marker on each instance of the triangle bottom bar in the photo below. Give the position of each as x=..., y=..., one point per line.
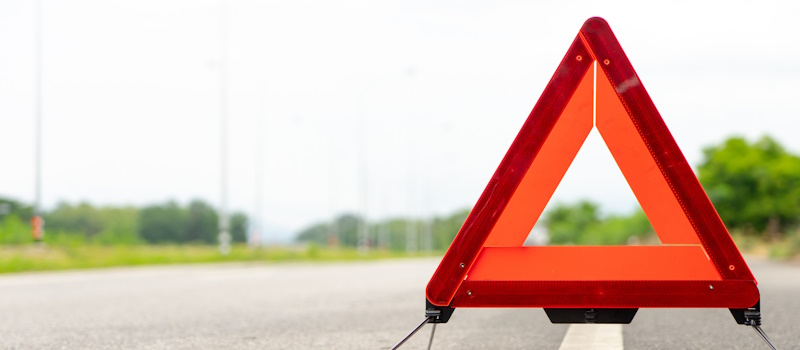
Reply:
x=607, y=294
x=593, y=263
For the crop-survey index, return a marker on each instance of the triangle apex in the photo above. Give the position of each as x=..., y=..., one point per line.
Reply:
x=595, y=23
x=597, y=20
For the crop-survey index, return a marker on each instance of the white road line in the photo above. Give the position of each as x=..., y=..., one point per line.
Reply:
x=593, y=336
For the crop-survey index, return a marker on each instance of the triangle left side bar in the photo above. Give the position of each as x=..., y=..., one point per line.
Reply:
x=484, y=215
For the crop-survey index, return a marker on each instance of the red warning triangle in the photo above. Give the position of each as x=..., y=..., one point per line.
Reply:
x=698, y=264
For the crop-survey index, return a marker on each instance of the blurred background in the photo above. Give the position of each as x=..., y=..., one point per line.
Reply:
x=187, y=131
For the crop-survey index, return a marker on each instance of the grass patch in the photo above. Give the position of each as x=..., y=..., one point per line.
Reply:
x=785, y=248
x=20, y=258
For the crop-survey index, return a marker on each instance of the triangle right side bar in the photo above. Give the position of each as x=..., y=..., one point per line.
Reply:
x=710, y=229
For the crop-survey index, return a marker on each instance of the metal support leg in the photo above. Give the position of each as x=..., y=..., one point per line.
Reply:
x=427, y=319
x=764, y=336
x=433, y=331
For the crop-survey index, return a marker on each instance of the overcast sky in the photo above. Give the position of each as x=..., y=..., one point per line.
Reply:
x=131, y=96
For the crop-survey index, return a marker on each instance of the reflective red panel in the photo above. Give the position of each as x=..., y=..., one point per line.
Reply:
x=607, y=294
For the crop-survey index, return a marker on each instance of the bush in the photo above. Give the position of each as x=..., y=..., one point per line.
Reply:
x=786, y=249
x=14, y=231
x=581, y=223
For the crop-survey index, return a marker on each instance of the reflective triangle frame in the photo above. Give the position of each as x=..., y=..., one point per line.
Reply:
x=698, y=265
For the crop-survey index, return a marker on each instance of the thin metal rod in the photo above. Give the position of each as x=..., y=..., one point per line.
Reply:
x=427, y=319
x=764, y=337
x=433, y=331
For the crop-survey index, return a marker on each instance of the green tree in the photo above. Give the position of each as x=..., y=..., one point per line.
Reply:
x=581, y=223
x=445, y=229
x=617, y=229
x=567, y=223
x=239, y=227
x=119, y=226
x=14, y=222
x=202, y=223
x=165, y=223
x=347, y=226
x=11, y=207
x=14, y=231
x=82, y=218
x=752, y=185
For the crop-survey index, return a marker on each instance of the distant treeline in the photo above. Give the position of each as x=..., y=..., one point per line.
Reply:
x=579, y=223
x=396, y=234
x=167, y=222
x=755, y=187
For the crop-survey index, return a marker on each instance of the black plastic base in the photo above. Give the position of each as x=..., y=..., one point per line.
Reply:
x=441, y=314
x=750, y=316
x=591, y=315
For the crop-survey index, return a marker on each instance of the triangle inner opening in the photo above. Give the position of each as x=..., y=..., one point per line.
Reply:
x=591, y=108
x=593, y=204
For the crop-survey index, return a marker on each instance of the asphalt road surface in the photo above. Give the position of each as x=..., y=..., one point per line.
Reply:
x=359, y=305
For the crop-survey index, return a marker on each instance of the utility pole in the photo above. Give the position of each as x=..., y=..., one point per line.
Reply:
x=412, y=229
x=363, y=226
x=37, y=222
x=224, y=236
x=362, y=171
x=334, y=237
x=256, y=228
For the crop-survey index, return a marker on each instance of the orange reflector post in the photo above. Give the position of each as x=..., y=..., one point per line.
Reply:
x=697, y=264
